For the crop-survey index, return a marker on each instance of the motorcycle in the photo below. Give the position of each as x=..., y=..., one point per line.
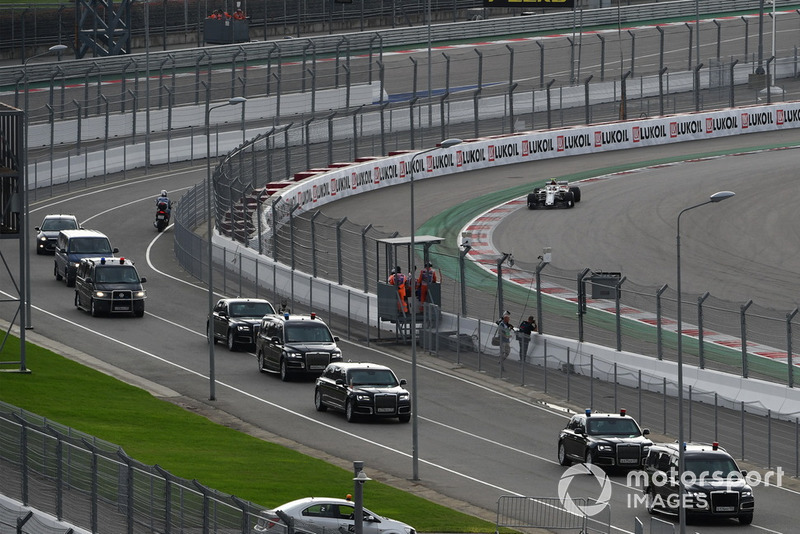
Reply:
x=162, y=216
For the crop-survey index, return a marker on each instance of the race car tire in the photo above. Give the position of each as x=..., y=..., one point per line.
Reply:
x=576, y=193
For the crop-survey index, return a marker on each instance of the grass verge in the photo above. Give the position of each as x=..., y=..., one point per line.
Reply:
x=188, y=445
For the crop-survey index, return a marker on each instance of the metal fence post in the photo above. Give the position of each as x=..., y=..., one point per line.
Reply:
x=339, y=273
x=700, y=345
x=659, y=324
x=789, y=359
x=364, y=256
x=743, y=322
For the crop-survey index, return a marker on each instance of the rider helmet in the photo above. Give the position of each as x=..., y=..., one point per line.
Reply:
x=163, y=192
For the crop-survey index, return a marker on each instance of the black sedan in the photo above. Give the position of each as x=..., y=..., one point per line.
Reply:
x=605, y=439
x=236, y=321
x=47, y=232
x=362, y=389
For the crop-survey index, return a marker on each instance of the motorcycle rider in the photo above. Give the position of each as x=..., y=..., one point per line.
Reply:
x=165, y=199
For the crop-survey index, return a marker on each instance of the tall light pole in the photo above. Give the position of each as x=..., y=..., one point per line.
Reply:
x=25, y=223
x=210, y=229
x=358, y=491
x=716, y=197
x=447, y=143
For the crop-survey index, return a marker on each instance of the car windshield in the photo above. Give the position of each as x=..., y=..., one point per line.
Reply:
x=371, y=377
x=52, y=225
x=712, y=468
x=612, y=427
x=89, y=245
x=308, y=332
x=251, y=309
x=116, y=275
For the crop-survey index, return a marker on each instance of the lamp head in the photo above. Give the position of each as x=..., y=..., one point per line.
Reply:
x=237, y=100
x=58, y=48
x=721, y=195
x=447, y=143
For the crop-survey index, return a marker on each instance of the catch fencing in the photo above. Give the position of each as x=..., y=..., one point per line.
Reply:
x=93, y=484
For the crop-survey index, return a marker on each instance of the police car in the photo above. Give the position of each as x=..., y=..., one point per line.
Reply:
x=713, y=484
x=109, y=286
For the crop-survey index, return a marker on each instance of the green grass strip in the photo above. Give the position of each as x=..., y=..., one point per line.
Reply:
x=191, y=446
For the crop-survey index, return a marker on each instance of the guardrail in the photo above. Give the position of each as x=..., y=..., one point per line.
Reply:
x=285, y=48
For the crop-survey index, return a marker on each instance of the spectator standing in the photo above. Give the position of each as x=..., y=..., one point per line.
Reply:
x=505, y=331
x=239, y=15
x=526, y=330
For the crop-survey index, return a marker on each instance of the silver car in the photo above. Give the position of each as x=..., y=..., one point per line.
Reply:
x=318, y=515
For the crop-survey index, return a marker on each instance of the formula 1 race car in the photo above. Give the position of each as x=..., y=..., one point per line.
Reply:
x=554, y=195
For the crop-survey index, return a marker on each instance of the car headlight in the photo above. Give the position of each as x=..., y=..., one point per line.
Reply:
x=43, y=239
x=75, y=265
x=403, y=397
x=747, y=493
x=243, y=327
x=293, y=355
x=605, y=448
x=362, y=397
x=99, y=294
x=140, y=294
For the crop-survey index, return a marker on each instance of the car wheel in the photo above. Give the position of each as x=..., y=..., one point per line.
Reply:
x=349, y=412
x=231, y=342
x=138, y=312
x=260, y=361
x=746, y=519
x=93, y=308
x=69, y=279
x=576, y=193
x=318, y=404
x=284, y=371
x=404, y=418
x=650, y=497
x=76, y=300
x=562, y=454
x=56, y=273
x=588, y=458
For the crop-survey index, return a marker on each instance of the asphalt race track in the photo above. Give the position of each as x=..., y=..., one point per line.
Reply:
x=480, y=438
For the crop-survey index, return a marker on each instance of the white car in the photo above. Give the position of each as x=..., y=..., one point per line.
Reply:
x=326, y=515
x=554, y=195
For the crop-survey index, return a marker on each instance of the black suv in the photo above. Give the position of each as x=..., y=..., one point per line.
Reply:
x=714, y=486
x=605, y=439
x=109, y=286
x=362, y=389
x=295, y=345
x=236, y=321
x=72, y=245
x=47, y=232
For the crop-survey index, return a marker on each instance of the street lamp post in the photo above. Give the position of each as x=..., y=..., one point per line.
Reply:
x=210, y=228
x=27, y=324
x=358, y=492
x=716, y=197
x=447, y=143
